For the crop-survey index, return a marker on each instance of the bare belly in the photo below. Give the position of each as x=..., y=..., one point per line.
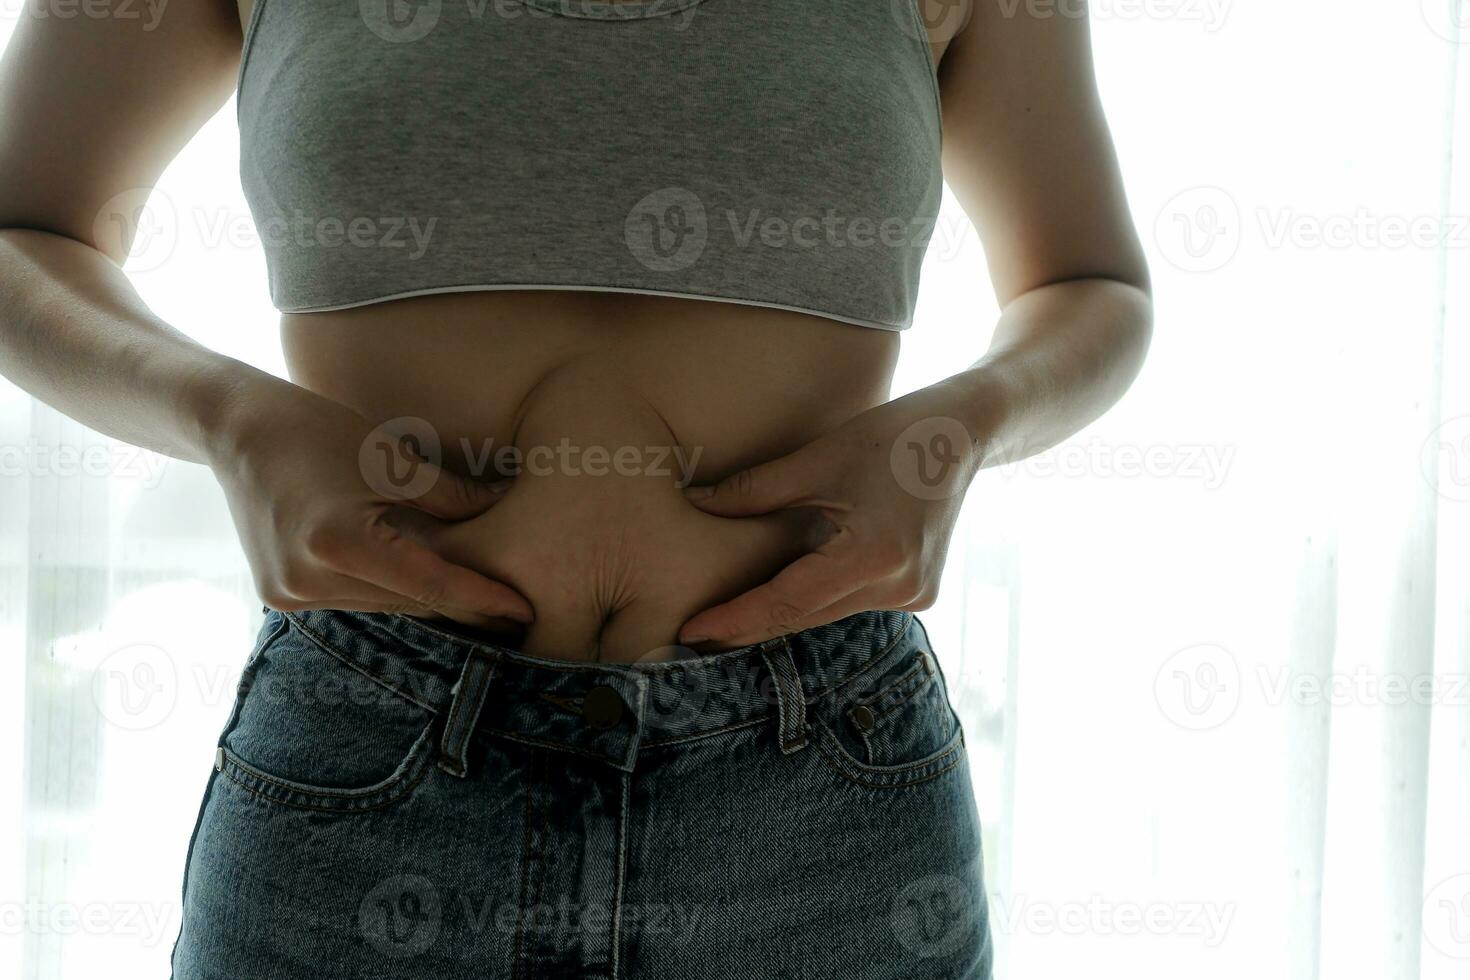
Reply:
x=605, y=405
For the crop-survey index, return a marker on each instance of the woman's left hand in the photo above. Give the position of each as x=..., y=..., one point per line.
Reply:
x=889, y=483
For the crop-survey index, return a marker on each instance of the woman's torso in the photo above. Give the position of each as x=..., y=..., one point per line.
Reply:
x=613, y=401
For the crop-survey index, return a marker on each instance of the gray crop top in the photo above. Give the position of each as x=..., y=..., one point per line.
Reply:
x=780, y=153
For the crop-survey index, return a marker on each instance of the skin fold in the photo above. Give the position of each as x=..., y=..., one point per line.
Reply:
x=801, y=510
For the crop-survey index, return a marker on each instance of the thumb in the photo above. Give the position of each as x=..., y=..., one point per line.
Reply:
x=452, y=497
x=761, y=489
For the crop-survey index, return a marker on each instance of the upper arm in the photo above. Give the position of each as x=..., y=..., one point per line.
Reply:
x=1027, y=150
x=95, y=101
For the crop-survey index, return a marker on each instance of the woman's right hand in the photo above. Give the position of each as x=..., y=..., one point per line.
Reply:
x=319, y=499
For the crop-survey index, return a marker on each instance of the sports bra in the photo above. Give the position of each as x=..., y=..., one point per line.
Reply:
x=777, y=153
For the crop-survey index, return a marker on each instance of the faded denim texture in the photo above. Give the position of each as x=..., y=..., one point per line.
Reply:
x=393, y=800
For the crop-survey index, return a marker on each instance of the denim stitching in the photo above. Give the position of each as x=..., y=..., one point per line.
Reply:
x=868, y=664
x=269, y=797
x=569, y=666
x=558, y=746
x=790, y=704
x=917, y=688
x=306, y=789
x=838, y=768
x=515, y=956
x=260, y=648
x=349, y=662
x=909, y=695
x=456, y=732
x=539, y=865
x=904, y=623
x=275, y=790
x=918, y=667
x=920, y=689
x=718, y=658
x=813, y=699
x=696, y=736
x=625, y=790
x=240, y=690
x=545, y=837
x=478, y=682
x=888, y=777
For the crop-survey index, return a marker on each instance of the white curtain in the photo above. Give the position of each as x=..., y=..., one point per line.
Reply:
x=1212, y=654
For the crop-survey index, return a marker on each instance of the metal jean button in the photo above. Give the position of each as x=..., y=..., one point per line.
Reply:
x=602, y=707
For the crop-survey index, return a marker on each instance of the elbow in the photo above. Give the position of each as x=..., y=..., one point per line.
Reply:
x=1136, y=327
x=1131, y=288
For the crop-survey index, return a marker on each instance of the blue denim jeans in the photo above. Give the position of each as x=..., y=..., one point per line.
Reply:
x=393, y=799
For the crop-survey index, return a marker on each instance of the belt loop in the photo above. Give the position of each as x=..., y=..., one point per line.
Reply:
x=464, y=710
x=790, y=700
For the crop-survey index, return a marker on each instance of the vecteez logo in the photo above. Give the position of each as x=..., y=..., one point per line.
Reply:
x=1199, y=229
x=933, y=916
x=931, y=458
x=1446, y=917
x=1198, y=688
x=667, y=230
x=140, y=222
x=400, y=459
x=932, y=21
x=1445, y=459
x=136, y=687
x=401, y=916
x=1449, y=19
x=400, y=21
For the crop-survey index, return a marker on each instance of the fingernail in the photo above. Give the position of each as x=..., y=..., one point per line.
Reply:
x=699, y=493
x=689, y=641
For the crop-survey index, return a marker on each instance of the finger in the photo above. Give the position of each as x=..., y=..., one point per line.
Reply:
x=421, y=576
x=451, y=497
x=355, y=595
x=862, y=600
x=799, y=591
x=398, y=467
x=784, y=482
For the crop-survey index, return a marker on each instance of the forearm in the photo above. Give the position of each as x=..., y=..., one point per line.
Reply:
x=1061, y=355
x=75, y=334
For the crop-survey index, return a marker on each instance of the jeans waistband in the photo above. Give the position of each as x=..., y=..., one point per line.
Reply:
x=607, y=711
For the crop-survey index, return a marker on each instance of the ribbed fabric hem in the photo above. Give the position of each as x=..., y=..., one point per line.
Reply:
x=554, y=287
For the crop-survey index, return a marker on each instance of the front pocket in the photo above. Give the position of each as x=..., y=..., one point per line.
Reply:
x=841, y=760
x=898, y=714
x=417, y=765
x=313, y=731
x=892, y=725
